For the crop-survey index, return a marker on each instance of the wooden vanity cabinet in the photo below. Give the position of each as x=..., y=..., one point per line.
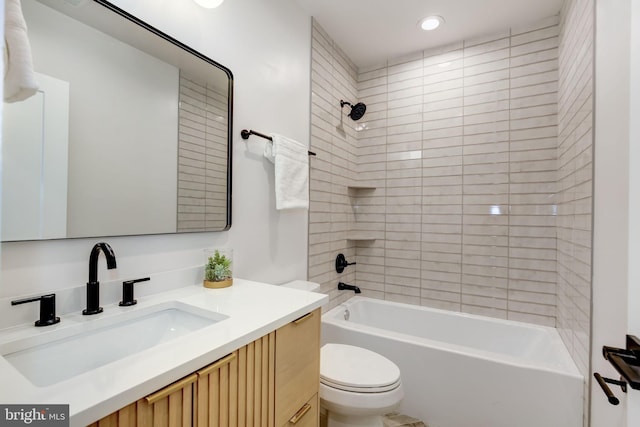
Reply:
x=298, y=371
x=271, y=382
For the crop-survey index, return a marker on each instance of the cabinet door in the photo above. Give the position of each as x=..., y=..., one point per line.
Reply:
x=171, y=406
x=297, y=365
x=256, y=383
x=237, y=390
x=217, y=403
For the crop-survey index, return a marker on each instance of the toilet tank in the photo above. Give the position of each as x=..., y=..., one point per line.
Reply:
x=302, y=285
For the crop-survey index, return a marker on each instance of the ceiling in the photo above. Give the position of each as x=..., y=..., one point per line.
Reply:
x=371, y=31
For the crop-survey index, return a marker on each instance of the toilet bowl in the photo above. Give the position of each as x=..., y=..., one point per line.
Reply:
x=357, y=386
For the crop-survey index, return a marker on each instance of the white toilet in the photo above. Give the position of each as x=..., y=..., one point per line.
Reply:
x=357, y=386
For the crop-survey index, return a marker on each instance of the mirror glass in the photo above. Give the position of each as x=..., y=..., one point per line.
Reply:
x=128, y=134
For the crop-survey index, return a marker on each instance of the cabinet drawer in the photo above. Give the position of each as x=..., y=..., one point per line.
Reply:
x=297, y=370
x=306, y=416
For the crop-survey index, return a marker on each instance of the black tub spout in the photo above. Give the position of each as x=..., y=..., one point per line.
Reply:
x=346, y=287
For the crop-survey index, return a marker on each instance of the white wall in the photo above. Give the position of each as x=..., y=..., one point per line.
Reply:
x=633, y=304
x=1, y=120
x=611, y=202
x=267, y=46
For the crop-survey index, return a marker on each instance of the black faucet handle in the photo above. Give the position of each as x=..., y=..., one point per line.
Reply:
x=127, y=292
x=47, y=309
x=341, y=263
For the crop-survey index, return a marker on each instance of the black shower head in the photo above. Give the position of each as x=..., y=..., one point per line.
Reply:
x=357, y=111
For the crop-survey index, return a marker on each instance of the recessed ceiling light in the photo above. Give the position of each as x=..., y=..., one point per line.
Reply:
x=209, y=4
x=431, y=22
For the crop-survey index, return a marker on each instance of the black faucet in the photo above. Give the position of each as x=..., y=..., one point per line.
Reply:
x=93, y=286
x=345, y=287
x=47, y=309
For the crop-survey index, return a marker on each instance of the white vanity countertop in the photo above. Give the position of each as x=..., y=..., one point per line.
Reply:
x=254, y=310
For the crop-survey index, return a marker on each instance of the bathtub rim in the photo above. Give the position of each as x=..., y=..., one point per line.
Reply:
x=566, y=365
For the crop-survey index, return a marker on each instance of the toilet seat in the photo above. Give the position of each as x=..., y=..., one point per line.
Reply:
x=356, y=369
x=361, y=389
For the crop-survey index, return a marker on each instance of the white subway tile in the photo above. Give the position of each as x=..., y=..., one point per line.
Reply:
x=493, y=67
x=535, y=46
x=452, y=64
x=486, y=306
x=414, y=148
x=536, y=25
x=488, y=43
x=534, y=35
x=534, y=79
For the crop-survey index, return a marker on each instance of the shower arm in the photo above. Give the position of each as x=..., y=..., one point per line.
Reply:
x=357, y=110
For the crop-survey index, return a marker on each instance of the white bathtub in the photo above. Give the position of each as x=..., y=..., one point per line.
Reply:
x=462, y=370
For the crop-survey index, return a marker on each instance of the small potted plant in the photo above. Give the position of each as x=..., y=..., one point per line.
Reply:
x=217, y=271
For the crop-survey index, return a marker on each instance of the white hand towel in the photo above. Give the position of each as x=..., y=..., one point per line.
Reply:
x=291, y=159
x=19, y=78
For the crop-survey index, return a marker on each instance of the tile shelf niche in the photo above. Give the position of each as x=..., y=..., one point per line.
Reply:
x=364, y=235
x=358, y=187
x=356, y=234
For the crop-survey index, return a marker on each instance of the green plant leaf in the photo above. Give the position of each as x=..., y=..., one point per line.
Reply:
x=218, y=267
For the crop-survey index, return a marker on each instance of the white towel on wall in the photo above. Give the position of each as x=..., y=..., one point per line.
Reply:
x=19, y=78
x=291, y=159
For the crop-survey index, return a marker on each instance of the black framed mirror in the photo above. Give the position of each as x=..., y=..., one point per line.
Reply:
x=129, y=133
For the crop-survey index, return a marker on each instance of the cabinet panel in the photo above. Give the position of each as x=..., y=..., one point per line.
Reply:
x=256, y=382
x=127, y=416
x=307, y=415
x=217, y=399
x=171, y=406
x=297, y=370
x=237, y=390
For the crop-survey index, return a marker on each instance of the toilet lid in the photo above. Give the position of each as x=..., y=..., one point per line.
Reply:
x=357, y=369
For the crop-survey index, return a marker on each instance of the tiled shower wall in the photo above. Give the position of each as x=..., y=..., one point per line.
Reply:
x=461, y=145
x=333, y=168
x=575, y=154
x=468, y=179
x=202, y=157
x=458, y=147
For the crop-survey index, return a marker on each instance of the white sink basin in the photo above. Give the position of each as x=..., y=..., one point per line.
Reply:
x=50, y=358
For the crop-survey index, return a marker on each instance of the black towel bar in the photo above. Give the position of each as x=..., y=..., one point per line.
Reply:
x=627, y=362
x=607, y=391
x=247, y=133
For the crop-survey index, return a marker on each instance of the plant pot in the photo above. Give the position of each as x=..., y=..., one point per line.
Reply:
x=217, y=284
